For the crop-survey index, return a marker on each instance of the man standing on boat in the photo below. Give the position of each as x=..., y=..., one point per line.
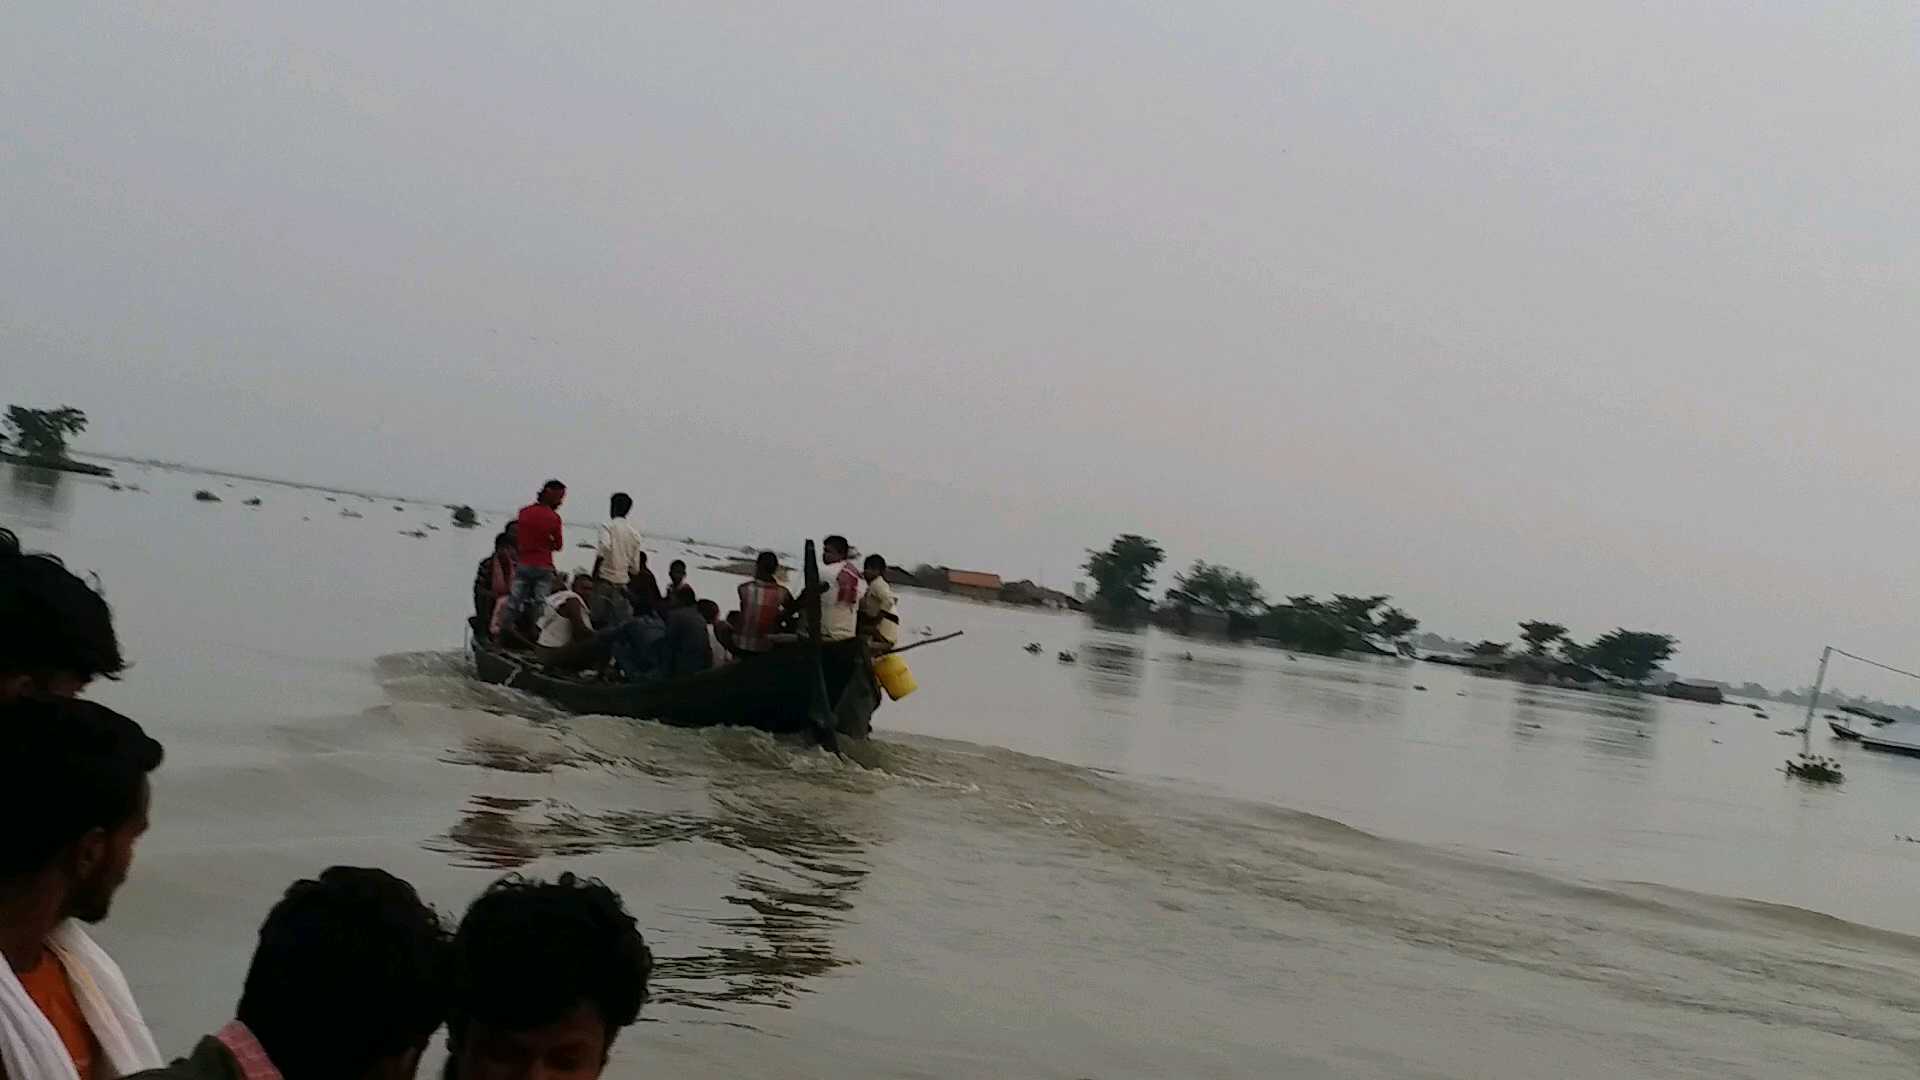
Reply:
x=617, y=556
x=843, y=588
x=539, y=538
x=878, y=619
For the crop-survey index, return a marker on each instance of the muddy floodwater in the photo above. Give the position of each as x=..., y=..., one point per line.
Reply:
x=1242, y=864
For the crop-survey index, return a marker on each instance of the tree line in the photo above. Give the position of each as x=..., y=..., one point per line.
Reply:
x=1626, y=654
x=1123, y=573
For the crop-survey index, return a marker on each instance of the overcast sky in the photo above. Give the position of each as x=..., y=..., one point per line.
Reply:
x=1601, y=312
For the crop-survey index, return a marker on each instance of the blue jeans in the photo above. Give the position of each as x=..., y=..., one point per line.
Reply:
x=530, y=587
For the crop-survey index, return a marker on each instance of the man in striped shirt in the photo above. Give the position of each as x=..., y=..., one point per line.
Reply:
x=763, y=603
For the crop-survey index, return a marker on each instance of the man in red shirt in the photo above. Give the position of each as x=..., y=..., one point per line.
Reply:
x=539, y=537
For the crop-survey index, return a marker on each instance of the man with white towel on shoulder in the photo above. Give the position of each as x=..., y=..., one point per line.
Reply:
x=72, y=805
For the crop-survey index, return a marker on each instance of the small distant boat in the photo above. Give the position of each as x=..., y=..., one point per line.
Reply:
x=1899, y=737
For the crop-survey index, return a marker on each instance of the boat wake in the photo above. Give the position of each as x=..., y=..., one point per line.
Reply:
x=1247, y=881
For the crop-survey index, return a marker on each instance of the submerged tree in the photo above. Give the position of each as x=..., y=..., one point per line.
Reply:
x=1540, y=636
x=1395, y=624
x=1123, y=573
x=1629, y=654
x=1356, y=612
x=43, y=432
x=1220, y=586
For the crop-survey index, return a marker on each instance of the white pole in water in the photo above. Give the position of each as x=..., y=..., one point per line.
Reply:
x=1819, y=680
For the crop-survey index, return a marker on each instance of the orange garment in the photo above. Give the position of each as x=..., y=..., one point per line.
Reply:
x=47, y=985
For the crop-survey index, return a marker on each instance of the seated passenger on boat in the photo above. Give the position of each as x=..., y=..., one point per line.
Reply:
x=765, y=605
x=676, y=577
x=491, y=582
x=710, y=611
x=878, y=618
x=843, y=588
x=643, y=590
x=569, y=642
x=688, y=646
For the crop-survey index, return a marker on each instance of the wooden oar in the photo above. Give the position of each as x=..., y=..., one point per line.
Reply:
x=929, y=641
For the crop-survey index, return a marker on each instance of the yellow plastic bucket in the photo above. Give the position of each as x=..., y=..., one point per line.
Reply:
x=894, y=676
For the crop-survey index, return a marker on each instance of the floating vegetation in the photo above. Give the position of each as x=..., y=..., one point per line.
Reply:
x=1033, y=648
x=255, y=501
x=1815, y=769
x=352, y=513
x=1067, y=657
x=203, y=495
x=417, y=534
x=464, y=517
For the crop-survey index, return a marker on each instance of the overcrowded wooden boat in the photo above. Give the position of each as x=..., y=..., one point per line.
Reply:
x=825, y=689
x=783, y=692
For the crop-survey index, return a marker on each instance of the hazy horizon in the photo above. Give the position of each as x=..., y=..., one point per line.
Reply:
x=1598, y=315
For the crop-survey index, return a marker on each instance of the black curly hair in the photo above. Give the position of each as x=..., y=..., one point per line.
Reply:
x=529, y=952
x=80, y=766
x=351, y=970
x=55, y=622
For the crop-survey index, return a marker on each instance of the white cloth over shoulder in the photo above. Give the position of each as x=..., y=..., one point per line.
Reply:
x=30, y=1049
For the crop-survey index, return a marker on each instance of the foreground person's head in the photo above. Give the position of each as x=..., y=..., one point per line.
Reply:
x=766, y=566
x=58, y=633
x=876, y=568
x=552, y=494
x=834, y=549
x=75, y=806
x=545, y=975
x=349, y=980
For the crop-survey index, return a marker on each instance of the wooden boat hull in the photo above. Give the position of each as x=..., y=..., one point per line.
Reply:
x=774, y=692
x=1841, y=731
x=1898, y=737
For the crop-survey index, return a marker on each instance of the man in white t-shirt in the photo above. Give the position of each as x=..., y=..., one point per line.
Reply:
x=569, y=642
x=844, y=587
x=878, y=618
x=563, y=619
x=617, y=556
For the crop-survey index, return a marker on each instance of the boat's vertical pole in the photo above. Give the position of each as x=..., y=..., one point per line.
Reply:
x=1813, y=703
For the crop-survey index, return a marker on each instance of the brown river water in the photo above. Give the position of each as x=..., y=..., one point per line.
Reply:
x=1243, y=864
